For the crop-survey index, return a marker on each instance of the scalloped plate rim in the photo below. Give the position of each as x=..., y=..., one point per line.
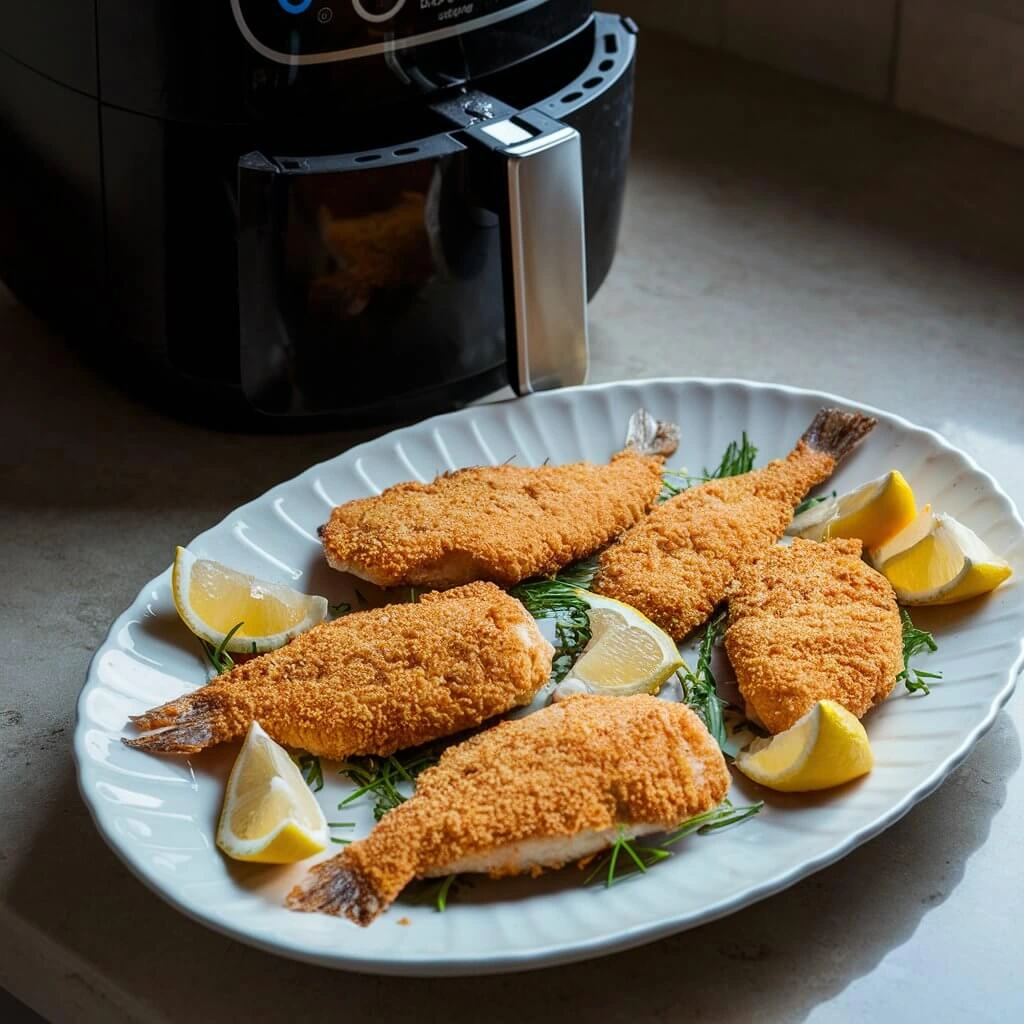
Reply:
x=614, y=941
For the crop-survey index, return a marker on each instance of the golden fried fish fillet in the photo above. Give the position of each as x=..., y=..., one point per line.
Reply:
x=499, y=523
x=812, y=622
x=539, y=792
x=676, y=564
x=371, y=682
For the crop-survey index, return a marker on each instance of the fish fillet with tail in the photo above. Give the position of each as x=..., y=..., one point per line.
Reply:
x=499, y=523
x=370, y=682
x=539, y=792
x=676, y=564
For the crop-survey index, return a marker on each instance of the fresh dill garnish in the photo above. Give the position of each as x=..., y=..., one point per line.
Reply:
x=218, y=656
x=341, y=824
x=625, y=857
x=312, y=770
x=614, y=866
x=438, y=892
x=341, y=608
x=916, y=641
x=700, y=688
x=560, y=598
x=413, y=595
x=381, y=776
x=719, y=817
x=811, y=502
x=737, y=459
x=441, y=900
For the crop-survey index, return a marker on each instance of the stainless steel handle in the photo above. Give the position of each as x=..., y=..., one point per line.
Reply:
x=545, y=252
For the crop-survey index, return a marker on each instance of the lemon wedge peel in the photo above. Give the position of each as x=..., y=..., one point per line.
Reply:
x=945, y=562
x=872, y=513
x=212, y=598
x=627, y=653
x=269, y=815
x=827, y=747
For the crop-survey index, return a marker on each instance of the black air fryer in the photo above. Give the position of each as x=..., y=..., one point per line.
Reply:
x=355, y=210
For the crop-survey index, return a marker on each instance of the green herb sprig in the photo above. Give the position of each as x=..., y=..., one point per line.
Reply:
x=722, y=816
x=312, y=770
x=626, y=857
x=560, y=598
x=339, y=609
x=737, y=459
x=811, y=502
x=218, y=657
x=916, y=641
x=380, y=777
x=632, y=858
x=700, y=688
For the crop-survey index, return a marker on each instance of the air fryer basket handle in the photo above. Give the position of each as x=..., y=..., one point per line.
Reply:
x=538, y=194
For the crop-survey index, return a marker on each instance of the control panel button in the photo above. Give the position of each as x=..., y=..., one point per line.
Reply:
x=377, y=10
x=294, y=6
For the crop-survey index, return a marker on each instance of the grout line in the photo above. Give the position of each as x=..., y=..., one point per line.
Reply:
x=894, y=53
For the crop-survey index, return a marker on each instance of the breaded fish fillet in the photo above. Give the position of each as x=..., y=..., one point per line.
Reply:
x=539, y=792
x=812, y=622
x=500, y=523
x=676, y=564
x=371, y=682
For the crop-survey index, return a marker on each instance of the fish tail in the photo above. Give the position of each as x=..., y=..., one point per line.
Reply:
x=339, y=887
x=836, y=433
x=647, y=436
x=186, y=726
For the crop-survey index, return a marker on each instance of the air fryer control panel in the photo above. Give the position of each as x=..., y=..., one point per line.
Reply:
x=321, y=31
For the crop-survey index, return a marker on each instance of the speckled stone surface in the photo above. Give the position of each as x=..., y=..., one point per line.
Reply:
x=774, y=231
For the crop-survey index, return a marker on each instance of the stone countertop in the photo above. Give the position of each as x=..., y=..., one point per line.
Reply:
x=774, y=231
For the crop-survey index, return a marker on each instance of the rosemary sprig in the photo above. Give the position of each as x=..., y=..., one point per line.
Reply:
x=737, y=459
x=719, y=817
x=218, y=656
x=312, y=770
x=381, y=776
x=625, y=857
x=916, y=641
x=811, y=502
x=700, y=688
x=561, y=598
x=637, y=858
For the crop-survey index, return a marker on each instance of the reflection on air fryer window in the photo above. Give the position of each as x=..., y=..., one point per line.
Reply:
x=375, y=253
x=394, y=266
x=361, y=257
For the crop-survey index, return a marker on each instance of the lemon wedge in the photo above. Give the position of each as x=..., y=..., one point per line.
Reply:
x=873, y=512
x=269, y=814
x=211, y=599
x=627, y=653
x=825, y=748
x=943, y=562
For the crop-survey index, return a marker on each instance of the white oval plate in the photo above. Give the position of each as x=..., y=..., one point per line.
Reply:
x=159, y=813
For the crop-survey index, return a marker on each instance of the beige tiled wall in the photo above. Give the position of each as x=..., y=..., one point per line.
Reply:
x=960, y=61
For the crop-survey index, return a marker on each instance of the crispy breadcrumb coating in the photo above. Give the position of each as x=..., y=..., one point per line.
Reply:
x=371, y=682
x=812, y=622
x=676, y=564
x=582, y=767
x=500, y=523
